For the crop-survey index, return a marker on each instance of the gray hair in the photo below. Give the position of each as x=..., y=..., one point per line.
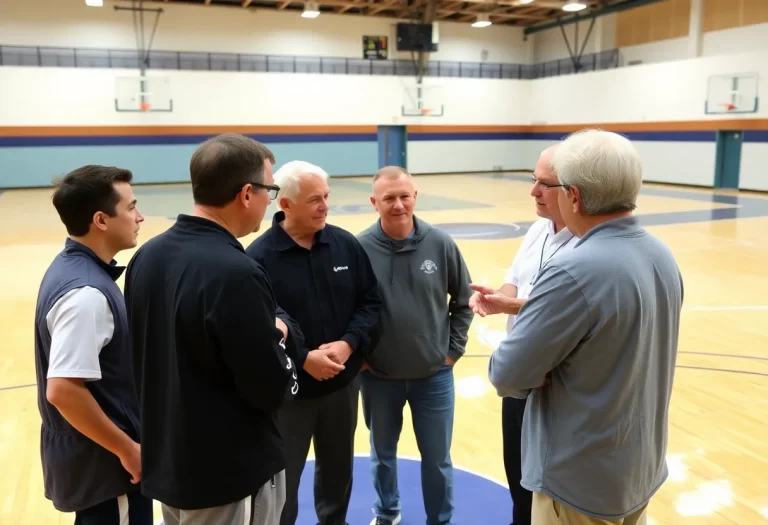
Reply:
x=605, y=166
x=391, y=172
x=290, y=174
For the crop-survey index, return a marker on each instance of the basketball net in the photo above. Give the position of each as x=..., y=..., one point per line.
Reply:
x=425, y=111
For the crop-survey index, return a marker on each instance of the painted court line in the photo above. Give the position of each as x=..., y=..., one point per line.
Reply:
x=726, y=308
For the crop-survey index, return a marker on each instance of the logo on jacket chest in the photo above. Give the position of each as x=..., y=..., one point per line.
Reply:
x=428, y=267
x=340, y=268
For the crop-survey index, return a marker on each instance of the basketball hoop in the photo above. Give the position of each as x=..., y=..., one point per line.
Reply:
x=729, y=107
x=145, y=106
x=425, y=112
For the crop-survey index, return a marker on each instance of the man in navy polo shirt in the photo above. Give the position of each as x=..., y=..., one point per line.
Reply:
x=90, y=430
x=322, y=278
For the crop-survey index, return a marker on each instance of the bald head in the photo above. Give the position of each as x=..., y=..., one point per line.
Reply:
x=390, y=173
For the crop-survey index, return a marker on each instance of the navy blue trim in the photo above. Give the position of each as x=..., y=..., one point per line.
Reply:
x=138, y=140
x=660, y=136
x=135, y=140
x=469, y=136
x=760, y=135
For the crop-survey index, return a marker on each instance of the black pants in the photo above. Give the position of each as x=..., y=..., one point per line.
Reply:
x=512, y=411
x=139, y=510
x=331, y=421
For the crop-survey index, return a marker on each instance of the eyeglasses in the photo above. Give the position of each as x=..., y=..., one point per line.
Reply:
x=273, y=189
x=547, y=186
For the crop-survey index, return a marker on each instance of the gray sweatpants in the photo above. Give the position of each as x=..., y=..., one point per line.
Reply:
x=262, y=509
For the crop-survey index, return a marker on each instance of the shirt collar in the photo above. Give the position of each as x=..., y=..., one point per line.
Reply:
x=113, y=270
x=202, y=225
x=563, y=235
x=622, y=226
x=283, y=241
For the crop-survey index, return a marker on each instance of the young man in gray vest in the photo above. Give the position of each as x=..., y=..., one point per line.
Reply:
x=90, y=431
x=594, y=348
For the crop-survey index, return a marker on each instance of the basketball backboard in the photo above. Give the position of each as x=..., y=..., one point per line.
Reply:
x=735, y=93
x=143, y=94
x=423, y=99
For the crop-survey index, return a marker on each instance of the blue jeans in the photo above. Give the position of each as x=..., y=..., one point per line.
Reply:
x=432, y=405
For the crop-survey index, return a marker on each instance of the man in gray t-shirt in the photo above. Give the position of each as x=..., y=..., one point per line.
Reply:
x=594, y=347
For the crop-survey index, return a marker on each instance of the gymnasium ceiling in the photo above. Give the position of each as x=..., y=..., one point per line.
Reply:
x=523, y=13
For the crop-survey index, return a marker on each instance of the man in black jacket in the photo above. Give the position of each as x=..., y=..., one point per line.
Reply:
x=323, y=279
x=209, y=355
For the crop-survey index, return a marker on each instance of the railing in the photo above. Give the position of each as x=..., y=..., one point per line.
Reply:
x=37, y=56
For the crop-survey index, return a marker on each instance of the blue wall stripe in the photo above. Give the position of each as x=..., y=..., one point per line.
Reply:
x=137, y=140
x=469, y=136
x=760, y=135
x=26, y=167
x=659, y=136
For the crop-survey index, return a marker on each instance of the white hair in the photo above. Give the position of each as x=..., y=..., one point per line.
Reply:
x=290, y=174
x=605, y=166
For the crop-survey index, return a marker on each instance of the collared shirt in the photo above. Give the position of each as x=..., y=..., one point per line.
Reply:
x=540, y=245
x=330, y=290
x=603, y=320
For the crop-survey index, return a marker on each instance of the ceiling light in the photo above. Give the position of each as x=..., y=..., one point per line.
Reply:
x=574, y=5
x=482, y=21
x=525, y=1
x=311, y=10
x=94, y=3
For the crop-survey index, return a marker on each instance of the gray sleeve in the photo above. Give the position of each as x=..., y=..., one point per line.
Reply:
x=460, y=293
x=550, y=325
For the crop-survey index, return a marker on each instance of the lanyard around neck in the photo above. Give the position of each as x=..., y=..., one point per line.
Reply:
x=544, y=245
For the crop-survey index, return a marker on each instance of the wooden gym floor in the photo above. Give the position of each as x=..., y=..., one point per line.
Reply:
x=718, y=451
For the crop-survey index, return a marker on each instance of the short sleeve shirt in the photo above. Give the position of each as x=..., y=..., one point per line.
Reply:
x=80, y=324
x=540, y=244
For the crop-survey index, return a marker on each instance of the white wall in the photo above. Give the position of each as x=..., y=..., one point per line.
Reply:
x=668, y=91
x=754, y=166
x=456, y=156
x=85, y=97
x=63, y=23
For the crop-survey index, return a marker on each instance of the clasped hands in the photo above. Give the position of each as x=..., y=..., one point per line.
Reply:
x=327, y=360
x=487, y=301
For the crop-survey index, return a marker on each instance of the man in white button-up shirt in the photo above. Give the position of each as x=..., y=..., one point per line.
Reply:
x=546, y=238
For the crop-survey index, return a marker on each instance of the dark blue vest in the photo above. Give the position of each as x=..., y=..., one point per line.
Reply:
x=77, y=472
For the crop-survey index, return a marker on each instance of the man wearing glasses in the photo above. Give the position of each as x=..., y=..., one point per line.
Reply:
x=210, y=363
x=547, y=237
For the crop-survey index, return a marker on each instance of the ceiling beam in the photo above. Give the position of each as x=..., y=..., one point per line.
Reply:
x=613, y=8
x=500, y=14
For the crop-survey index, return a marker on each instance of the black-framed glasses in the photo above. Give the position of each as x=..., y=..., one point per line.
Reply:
x=273, y=189
x=546, y=186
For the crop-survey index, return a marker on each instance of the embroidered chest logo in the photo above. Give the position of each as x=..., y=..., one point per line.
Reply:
x=428, y=267
x=340, y=268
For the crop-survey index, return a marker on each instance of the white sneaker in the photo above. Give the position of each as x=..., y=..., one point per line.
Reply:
x=381, y=520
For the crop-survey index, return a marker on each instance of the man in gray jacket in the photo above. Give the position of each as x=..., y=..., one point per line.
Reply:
x=422, y=332
x=594, y=348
